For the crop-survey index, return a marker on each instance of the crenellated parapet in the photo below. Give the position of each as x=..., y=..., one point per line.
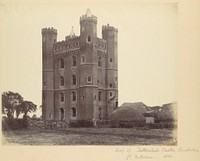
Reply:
x=88, y=17
x=69, y=37
x=68, y=44
x=109, y=28
x=49, y=30
x=100, y=44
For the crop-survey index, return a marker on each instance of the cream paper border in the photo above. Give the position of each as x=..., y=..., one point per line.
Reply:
x=188, y=85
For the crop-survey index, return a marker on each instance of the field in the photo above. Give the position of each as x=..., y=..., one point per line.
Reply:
x=90, y=136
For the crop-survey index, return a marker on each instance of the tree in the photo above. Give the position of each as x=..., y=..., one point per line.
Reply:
x=13, y=102
x=27, y=106
x=10, y=102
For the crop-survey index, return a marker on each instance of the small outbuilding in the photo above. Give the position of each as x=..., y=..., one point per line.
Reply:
x=149, y=117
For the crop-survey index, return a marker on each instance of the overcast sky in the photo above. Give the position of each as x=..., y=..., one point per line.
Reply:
x=147, y=46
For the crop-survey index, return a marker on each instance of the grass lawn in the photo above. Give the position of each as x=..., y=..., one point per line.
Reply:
x=90, y=136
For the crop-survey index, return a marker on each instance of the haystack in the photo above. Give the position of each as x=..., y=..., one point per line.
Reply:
x=130, y=112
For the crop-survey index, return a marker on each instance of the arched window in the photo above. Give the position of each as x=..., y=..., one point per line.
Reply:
x=111, y=85
x=110, y=59
x=99, y=95
x=62, y=97
x=73, y=96
x=89, y=79
x=74, y=79
x=89, y=38
x=73, y=112
x=74, y=60
x=44, y=84
x=82, y=59
x=62, y=63
x=99, y=62
x=62, y=81
x=110, y=94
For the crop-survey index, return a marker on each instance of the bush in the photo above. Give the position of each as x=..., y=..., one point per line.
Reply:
x=81, y=123
x=15, y=124
x=5, y=124
x=126, y=124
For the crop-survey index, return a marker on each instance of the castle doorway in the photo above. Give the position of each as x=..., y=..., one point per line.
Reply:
x=61, y=114
x=100, y=113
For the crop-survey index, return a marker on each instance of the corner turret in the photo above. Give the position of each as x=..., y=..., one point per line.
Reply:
x=49, y=30
x=49, y=37
x=88, y=17
x=108, y=29
x=109, y=33
x=88, y=27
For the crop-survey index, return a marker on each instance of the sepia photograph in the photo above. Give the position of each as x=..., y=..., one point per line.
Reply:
x=93, y=74
x=101, y=82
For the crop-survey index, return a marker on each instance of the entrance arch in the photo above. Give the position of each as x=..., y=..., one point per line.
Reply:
x=62, y=114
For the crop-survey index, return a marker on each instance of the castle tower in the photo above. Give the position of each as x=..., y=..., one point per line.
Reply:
x=80, y=73
x=88, y=28
x=109, y=34
x=88, y=35
x=49, y=37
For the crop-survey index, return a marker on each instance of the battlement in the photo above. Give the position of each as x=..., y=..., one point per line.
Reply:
x=65, y=45
x=88, y=16
x=49, y=30
x=70, y=37
x=85, y=17
x=109, y=28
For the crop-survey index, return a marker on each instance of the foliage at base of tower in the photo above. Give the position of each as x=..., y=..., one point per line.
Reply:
x=13, y=103
x=15, y=124
x=25, y=107
x=10, y=103
x=81, y=123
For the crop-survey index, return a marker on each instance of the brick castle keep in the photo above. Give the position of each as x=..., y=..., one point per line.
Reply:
x=80, y=74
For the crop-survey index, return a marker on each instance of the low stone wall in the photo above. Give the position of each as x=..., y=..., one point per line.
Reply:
x=52, y=124
x=40, y=124
x=36, y=124
x=56, y=124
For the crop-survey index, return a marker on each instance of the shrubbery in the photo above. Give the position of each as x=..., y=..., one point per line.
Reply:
x=126, y=124
x=81, y=123
x=15, y=124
